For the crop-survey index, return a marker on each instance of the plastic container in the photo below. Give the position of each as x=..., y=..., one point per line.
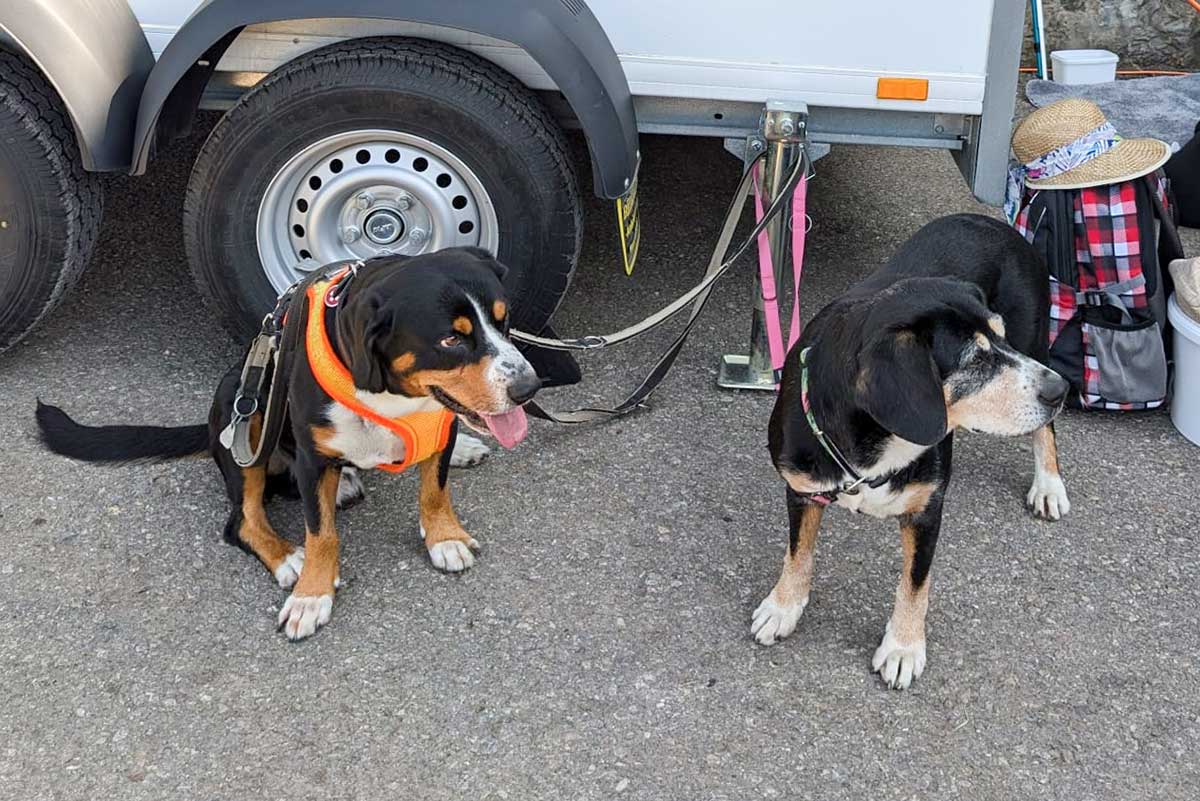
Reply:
x=1185, y=403
x=1083, y=66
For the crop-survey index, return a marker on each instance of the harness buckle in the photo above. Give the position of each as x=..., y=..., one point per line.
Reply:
x=244, y=410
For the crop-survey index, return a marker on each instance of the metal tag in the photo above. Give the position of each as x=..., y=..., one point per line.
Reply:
x=226, y=438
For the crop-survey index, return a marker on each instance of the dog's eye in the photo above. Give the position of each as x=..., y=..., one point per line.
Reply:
x=451, y=341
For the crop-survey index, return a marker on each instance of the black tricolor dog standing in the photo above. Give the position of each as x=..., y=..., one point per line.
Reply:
x=380, y=377
x=950, y=333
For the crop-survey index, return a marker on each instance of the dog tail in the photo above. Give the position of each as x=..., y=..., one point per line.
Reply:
x=64, y=436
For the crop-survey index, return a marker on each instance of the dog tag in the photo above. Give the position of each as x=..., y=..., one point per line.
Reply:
x=226, y=438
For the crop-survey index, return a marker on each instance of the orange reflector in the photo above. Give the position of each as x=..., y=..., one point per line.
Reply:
x=902, y=89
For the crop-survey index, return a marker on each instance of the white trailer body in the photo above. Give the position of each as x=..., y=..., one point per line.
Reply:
x=706, y=67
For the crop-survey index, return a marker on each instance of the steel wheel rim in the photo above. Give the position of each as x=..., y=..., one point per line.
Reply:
x=365, y=193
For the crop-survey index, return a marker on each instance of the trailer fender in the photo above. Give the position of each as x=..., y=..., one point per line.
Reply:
x=562, y=36
x=95, y=56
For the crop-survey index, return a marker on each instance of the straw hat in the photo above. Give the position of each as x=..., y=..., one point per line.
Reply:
x=1063, y=122
x=1186, y=273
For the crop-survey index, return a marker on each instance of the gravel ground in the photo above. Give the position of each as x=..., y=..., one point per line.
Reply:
x=600, y=648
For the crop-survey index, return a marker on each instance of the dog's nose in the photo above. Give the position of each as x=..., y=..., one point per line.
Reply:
x=1053, y=390
x=524, y=387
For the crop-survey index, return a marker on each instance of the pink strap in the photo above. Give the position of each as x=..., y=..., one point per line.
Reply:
x=799, y=229
x=767, y=273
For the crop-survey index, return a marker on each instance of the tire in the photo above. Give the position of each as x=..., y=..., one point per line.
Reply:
x=49, y=206
x=494, y=134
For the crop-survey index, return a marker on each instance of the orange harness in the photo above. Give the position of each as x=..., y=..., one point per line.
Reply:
x=424, y=433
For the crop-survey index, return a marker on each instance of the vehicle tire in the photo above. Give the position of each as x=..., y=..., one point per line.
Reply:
x=49, y=206
x=381, y=145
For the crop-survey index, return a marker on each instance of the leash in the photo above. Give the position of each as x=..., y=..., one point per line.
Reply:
x=269, y=364
x=698, y=296
x=766, y=273
x=850, y=487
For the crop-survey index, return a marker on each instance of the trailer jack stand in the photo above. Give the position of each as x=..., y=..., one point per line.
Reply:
x=783, y=135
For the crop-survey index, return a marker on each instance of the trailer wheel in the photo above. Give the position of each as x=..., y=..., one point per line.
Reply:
x=381, y=146
x=49, y=206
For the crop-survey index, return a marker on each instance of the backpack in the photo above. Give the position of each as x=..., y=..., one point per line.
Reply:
x=1106, y=248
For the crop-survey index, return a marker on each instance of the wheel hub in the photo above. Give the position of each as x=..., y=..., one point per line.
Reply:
x=361, y=194
x=384, y=226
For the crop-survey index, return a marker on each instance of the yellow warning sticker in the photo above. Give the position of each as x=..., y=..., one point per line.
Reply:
x=630, y=226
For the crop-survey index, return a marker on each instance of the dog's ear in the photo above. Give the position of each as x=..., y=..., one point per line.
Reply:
x=898, y=385
x=489, y=260
x=362, y=326
x=499, y=269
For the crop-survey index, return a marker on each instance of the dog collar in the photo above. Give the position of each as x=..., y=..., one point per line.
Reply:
x=848, y=487
x=424, y=433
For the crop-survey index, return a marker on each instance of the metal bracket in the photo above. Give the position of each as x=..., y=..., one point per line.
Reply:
x=783, y=134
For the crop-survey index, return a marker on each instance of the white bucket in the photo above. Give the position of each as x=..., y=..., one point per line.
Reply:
x=1083, y=66
x=1185, y=402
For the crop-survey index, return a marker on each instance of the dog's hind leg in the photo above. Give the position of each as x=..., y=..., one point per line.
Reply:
x=776, y=617
x=350, y=488
x=249, y=528
x=900, y=658
x=468, y=451
x=1048, y=495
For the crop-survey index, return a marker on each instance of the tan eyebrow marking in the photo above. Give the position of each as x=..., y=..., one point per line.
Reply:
x=462, y=325
x=499, y=309
x=996, y=323
x=982, y=341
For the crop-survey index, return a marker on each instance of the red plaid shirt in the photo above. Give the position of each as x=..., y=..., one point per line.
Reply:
x=1108, y=250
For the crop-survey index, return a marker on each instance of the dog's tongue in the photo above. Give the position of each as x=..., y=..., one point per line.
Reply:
x=508, y=428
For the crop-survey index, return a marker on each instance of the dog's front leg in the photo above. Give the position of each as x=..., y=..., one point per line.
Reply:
x=448, y=544
x=776, y=617
x=900, y=658
x=311, y=602
x=1048, y=495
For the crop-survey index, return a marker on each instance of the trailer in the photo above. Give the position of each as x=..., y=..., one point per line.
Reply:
x=354, y=128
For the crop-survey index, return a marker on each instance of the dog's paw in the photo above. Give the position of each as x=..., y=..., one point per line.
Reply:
x=898, y=664
x=350, y=488
x=289, y=569
x=1047, y=497
x=453, y=556
x=468, y=451
x=302, y=615
x=773, y=621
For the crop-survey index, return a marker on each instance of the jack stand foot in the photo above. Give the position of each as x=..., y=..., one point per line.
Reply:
x=736, y=373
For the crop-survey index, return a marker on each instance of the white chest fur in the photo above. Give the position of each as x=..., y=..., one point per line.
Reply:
x=883, y=501
x=361, y=442
x=365, y=444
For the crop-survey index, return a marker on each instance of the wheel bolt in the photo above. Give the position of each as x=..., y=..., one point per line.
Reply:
x=364, y=200
x=417, y=236
x=403, y=201
x=350, y=234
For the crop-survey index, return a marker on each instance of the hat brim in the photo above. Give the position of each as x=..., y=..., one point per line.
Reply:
x=1128, y=159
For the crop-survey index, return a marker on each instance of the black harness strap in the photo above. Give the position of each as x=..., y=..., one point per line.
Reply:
x=268, y=365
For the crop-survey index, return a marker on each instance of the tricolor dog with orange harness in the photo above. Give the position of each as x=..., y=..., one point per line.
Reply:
x=370, y=365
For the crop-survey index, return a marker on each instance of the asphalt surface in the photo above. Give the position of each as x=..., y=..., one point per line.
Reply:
x=600, y=648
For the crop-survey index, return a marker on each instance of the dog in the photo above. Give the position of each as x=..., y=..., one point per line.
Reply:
x=952, y=332
x=420, y=339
